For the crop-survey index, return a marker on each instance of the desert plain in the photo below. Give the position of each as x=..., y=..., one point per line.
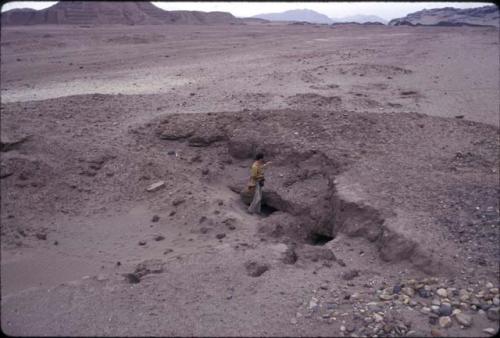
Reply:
x=381, y=202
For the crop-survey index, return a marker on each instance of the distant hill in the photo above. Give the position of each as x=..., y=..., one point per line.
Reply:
x=449, y=16
x=352, y=23
x=360, y=19
x=305, y=15
x=106, y=12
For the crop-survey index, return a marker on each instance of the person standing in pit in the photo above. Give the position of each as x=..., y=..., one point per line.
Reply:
x=257, y=182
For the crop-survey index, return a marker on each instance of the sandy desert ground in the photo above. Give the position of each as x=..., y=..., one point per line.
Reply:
x=382, y=211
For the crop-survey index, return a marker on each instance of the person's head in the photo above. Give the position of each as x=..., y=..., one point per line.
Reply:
x=259, y=157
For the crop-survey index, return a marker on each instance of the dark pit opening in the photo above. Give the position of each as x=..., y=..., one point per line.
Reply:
x=267, y=210
x=319, y=239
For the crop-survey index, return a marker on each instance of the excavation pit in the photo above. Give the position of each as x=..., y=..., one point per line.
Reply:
x=267, y=210
x=313, y=181
x=319, y=239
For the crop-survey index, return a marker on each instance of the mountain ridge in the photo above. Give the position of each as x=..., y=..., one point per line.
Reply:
x=308, y=15
x=305, y=15
x=449, y=16
x=107, y=12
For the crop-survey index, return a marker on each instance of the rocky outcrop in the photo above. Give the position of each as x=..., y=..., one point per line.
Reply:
x=449, y=16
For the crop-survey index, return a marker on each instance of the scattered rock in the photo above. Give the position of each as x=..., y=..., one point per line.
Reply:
x=178, y=201
x=220, y=236
x=425, y=310
x=422, y=292
x=350, y=328
x=118, y=263
x=490, y=331
x=445, y=322
x=155, y=218
x=373, y=306
x=313, y=304
x=290, y=256
x=148, y=267
x=387, y=328
x=132, y=278
x=378, y=318
x=350, y=275
x=484, y=306
x=255, y=269
x=142, y=242
x=41, y=236
x=101, y=277
x=158, y=238
x=205, y=171
x=493, y=314
x=437, y=333
x=408, y=291
x=167, y=251
x=445, y=309
x=171, y=213
x=56, y=243
x=442, y=293
x=384, y=296
x=156, y=186
x=459, y=116
x=463, y=319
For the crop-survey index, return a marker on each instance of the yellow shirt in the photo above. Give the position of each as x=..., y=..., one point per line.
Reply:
x=256, y=173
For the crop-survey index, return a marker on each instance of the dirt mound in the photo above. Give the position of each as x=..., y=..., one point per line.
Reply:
x=103, y=12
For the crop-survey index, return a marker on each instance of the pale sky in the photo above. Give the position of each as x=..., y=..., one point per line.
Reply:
x=385, y=10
